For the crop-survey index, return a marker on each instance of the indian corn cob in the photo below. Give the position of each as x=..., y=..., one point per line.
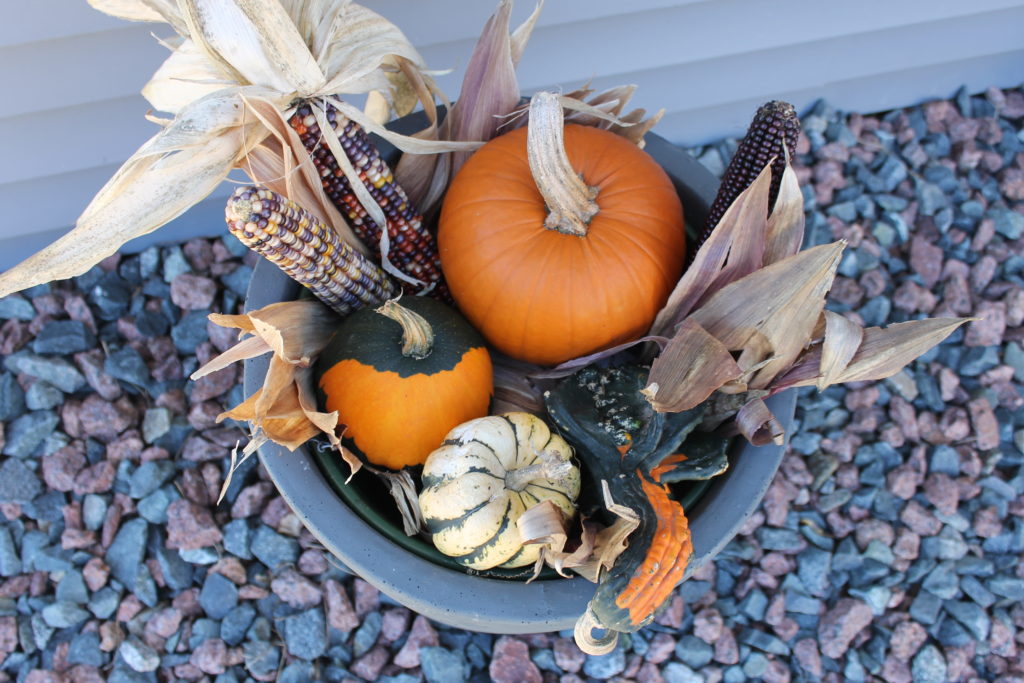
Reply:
x=412, y=249
x=306, y=250
x=774, y=124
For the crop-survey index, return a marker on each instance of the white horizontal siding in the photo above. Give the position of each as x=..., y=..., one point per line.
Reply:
x=72, y=112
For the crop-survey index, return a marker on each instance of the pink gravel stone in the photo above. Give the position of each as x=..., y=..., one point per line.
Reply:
x=511, y=662
x=841, y=624
x=193, y=292
x=295, y=589
x=422, y=634
x=190, y=526
x=340, y=613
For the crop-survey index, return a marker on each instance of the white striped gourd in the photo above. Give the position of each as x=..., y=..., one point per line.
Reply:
x=485, y=475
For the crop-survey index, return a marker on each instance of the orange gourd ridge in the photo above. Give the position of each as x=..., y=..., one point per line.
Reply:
x=396, y=400
x=545, y=296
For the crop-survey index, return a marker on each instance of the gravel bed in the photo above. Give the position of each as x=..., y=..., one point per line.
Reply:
x=887, y=548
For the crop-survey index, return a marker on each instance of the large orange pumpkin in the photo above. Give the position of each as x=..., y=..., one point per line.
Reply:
x=546, y=296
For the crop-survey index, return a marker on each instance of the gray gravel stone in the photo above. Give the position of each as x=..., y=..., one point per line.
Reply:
x=155, y=423
x=261, y=658
x=1006, y=586
x=603, y=667
x=104, y=602
x=237, y=538
x=694, y=652
x=813, y=567
x=236, y=622
x=85, y=649
x=16, y=308
x=55, y=370
x=26, y=433
x=929, y=665
x=674, y=672
x=64, y=615
x=63, y=337
x=925, y=608
x=273, y=549
x=441, y=666
x=153, y=508
x=126, y=552
x=150, y=476
x=942, y=582
x=305, y=634
x=367, y=633
x=10, y=561
x=18, y=483
x=219, y=596
x=71, y=588
x=12, y=397
x=43, y=396
x=139, y=656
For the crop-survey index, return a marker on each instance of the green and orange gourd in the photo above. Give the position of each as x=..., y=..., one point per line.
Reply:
x=401, y=376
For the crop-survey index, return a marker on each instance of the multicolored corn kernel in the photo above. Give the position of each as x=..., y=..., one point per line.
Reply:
x=306, y=250
x=412, y=248
x=775, y=124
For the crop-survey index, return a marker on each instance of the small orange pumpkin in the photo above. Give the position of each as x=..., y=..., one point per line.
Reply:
x=541, y=279
x=401, y=377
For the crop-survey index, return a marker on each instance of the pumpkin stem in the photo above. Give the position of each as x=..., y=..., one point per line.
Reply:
x=417, y=335
x=549, y=467
x=569, y=199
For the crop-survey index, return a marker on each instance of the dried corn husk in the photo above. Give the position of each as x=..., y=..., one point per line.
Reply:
x=747, y=318
x=284, y=410
x=228, y=56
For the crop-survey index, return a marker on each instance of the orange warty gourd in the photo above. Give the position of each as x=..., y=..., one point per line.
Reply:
x=548, y=294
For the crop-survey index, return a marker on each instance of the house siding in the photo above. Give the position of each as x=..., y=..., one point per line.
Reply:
x=73, y=112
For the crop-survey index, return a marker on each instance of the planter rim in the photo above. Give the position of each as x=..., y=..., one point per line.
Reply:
x=495, y=605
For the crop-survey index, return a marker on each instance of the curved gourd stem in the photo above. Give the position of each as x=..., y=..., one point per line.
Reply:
x=569, y=199
x=417, y=334
x=550, y=467
x=584, y=635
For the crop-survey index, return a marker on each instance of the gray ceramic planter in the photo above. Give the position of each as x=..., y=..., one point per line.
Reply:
x=486, y=604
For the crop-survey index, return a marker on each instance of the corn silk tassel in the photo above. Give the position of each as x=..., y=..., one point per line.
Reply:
x=411, y=247
x=772, y=135
x=306, y=250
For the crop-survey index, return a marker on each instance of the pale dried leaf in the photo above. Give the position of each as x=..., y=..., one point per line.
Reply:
x=258, y=39
x=711, y=257
x=280, y=395
x=249, y=347
x=140, y=10
x=355, y=45
x=612, y=541
x=690, y=368
x=286, y=424
x=403, y=490
x=746, y=253
x=377, y=108
x=786, y=224
x=297, y=331
x=513, y=391
x=489, y=88
x=884, y=352
x=842, y=339
x=145, y=193
x=570, y=366
x=781, y=302
x=185, y=76
x=521, y=36
x=758, y=425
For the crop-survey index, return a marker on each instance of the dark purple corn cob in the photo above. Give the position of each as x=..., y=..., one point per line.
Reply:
x=774, y=124
x=413, y=249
